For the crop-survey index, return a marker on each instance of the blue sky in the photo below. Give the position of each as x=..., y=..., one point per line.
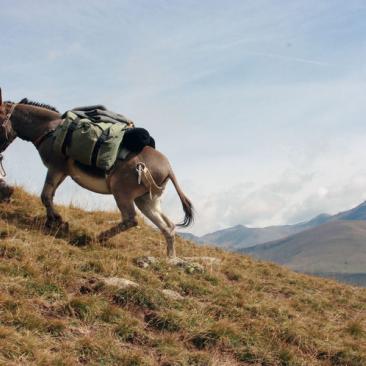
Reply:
x=259, y=105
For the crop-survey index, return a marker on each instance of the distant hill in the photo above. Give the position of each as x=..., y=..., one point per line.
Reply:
x=357, y=213
x=67, y=299
x=336, y=249
x=191, y=237
x=238, y=237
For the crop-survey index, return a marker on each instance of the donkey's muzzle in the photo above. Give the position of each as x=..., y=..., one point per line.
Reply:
x=6, y=191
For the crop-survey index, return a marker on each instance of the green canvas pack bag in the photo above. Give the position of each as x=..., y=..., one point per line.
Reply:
x=90, y=143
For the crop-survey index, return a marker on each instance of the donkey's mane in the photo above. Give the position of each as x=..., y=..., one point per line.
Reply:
x=37, y=104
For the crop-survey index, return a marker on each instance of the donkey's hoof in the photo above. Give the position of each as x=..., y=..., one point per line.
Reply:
x=102, y=238
x=81, y=239
x=64, y=226
x=51, y=224
x=57, y=225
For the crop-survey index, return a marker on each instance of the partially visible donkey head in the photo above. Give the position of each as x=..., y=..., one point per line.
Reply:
x=6, y=191
x=7, y=134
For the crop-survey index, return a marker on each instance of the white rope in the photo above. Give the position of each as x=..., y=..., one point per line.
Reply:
x=140, y=168
x=2, y=170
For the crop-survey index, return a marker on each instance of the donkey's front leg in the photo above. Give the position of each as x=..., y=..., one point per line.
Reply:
x=53, y=180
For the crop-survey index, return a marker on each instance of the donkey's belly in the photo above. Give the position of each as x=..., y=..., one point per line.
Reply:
x=87, y=179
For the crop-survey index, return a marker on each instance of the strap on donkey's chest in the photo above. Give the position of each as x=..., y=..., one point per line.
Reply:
x=38, y=141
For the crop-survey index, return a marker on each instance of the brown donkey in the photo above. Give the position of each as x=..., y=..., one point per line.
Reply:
x=139, y=179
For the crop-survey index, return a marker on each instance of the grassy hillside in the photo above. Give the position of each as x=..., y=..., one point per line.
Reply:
x=63, y=301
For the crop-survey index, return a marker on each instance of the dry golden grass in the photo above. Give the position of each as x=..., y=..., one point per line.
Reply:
x=55, y=308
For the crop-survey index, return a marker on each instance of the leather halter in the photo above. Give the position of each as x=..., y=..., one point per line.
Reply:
x=6, y=123
x=6, y=120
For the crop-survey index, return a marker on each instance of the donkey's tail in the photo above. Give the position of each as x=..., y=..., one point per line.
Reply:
x=186, y=203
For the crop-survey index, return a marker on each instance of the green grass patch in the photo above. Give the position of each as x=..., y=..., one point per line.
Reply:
x=166, y=321
x=142, y=297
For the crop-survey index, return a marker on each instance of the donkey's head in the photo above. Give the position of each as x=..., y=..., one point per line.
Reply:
x=7, y=133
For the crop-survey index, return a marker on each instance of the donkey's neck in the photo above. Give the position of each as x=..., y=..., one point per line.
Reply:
x=30, y=122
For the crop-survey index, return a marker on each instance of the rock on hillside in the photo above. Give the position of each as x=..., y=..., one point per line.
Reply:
x=65, y=299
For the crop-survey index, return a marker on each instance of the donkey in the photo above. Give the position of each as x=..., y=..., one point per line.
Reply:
x=36, y=122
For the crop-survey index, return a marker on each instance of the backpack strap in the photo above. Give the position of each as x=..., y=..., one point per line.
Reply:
x=69, y=133
x=102, y=138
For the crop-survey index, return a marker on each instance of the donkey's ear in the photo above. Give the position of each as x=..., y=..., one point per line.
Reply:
x=1, y=98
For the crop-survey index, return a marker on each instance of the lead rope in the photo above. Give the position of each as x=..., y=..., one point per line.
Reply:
x=2, y=170
x=144, y=176
x=140, y=168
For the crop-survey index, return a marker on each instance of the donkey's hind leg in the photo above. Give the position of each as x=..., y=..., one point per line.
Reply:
x=168, y=222
x=151, y=209
x=126, y=206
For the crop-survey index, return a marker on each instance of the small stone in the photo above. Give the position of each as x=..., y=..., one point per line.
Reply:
x=195, y=267
x=92, y=285
x=189, y=267
x=145, y=261
x=176, y=261
x=79, y=331
x=119, y=282
x=174, y=295
x=205, y=260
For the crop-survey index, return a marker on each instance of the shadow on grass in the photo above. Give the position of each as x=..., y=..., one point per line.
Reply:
x=62, y=230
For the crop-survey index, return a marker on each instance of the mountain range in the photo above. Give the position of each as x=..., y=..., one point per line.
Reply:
x=327, y=245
